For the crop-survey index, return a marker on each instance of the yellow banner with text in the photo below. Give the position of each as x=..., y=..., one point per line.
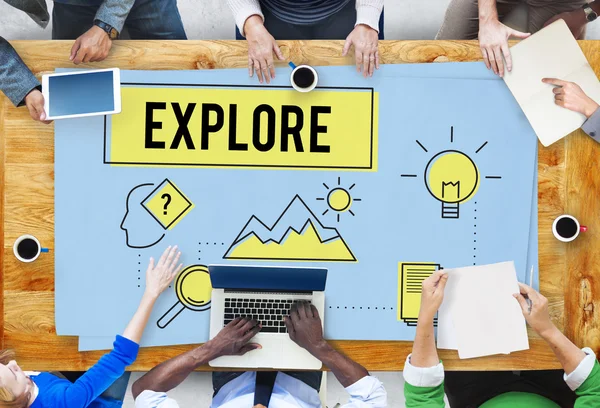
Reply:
x=244, y=127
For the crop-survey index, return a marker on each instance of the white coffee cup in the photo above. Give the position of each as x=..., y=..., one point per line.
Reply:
x=21, y=239
x=311, y=86
x=579, y=228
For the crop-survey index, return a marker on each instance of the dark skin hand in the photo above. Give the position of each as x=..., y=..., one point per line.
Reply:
x=231, y=341
x=306, y=330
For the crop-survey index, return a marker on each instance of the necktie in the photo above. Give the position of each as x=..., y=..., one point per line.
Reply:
x=265, y=381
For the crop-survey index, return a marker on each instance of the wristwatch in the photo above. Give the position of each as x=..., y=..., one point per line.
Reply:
x=590, y=14
x=112, y=32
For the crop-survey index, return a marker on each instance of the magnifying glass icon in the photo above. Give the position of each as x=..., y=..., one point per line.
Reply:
x=193, y=289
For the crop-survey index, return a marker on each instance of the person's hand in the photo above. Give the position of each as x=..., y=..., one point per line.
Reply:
x=569, y=95
x=160, y=276
x=366, y=53
x=261, y=46
x=493, y=41
x=537, y=316
x=233, y=339
x=575, y=20
x=35, y=103
x=91, y=46
x=305, y=328
x=432, y=294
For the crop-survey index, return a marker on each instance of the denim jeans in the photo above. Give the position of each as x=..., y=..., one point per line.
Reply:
x=310, y=378
x=147, y=20
x=336, y=27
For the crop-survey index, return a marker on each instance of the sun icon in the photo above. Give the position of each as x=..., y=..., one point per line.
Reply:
x=339, y=199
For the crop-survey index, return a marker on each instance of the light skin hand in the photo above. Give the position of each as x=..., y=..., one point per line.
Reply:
x=493, y=41
x=539, y=317
x=91, y=46
x=233, y=339
x=575, y=20
x=35, y=103
x=160, y=276
x=305, y=328
x=261, y=46
x=569, y=95
x=366, y=52
x=432, y=294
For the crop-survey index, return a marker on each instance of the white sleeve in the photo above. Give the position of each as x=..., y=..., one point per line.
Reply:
x=423, y=376
x=368, y=13
x=153, y=399
x=368, y=392
x=242, y=9
x=583, y=370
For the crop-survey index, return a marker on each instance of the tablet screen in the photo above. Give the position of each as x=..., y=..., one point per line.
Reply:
x=78, y=94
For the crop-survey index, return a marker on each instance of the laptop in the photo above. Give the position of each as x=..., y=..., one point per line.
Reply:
x=265, y=293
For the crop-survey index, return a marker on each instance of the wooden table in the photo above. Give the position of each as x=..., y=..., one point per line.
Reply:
x=569, y=182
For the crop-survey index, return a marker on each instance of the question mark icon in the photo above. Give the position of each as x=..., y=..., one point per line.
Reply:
x=168, y=197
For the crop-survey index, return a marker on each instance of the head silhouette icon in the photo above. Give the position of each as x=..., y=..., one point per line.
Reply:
x=141, y=229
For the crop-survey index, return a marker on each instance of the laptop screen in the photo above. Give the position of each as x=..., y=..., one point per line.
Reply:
x=283, y=278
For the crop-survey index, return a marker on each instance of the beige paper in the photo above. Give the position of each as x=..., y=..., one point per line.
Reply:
x=550, y=53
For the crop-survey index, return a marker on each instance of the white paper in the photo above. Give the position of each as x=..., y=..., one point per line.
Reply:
x=552, y=52
x=479, y=316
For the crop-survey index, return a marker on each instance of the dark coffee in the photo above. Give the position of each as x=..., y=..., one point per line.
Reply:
x=566, y=227
x=28, y=248
x=304, y=77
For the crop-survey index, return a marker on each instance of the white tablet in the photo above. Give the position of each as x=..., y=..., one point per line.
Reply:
x=82, y=93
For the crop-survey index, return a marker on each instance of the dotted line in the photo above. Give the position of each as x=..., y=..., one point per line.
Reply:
x=139, y=269
x=475, y=236
x=361, y=307
x=207, y=243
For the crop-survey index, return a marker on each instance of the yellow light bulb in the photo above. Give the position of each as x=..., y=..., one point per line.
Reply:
x=452, y=178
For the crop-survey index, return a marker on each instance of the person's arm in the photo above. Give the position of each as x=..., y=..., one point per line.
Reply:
x=365, y=36
x=112, y=365
x=231, y=341
x=261, y=44
x=114, y=12
x=493, y=38
x=95, y=44
x=570, y=96
x=368, y=13
x=576, y=19
x=19, y=84
x=244, y=9
x=582, y=373
x=423, y=371
x=305, y=329
x=538, y=317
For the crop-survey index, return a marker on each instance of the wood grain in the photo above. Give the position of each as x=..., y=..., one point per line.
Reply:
x=567, y=183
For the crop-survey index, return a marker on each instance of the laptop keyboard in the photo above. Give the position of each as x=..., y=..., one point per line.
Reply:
x=268, y=312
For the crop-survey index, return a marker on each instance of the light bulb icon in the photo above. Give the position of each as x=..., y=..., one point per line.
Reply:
x=452, y=178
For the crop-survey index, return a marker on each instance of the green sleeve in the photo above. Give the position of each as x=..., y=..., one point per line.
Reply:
x=430, y=397
x=588, y=394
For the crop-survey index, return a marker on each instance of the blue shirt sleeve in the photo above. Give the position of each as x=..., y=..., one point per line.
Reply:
x=97, y=379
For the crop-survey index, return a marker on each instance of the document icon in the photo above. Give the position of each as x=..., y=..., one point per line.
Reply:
x=410, y=277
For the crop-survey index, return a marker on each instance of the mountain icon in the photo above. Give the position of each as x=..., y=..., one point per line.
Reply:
x=297, y=235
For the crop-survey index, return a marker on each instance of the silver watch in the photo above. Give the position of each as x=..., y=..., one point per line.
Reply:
x=590, y=14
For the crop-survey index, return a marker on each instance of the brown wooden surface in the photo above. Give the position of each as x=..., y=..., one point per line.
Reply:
x=569, y=181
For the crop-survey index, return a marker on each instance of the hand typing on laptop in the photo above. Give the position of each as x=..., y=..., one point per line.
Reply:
x=263, y=388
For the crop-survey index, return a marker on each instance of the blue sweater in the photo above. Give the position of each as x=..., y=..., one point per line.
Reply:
x=60, y=393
